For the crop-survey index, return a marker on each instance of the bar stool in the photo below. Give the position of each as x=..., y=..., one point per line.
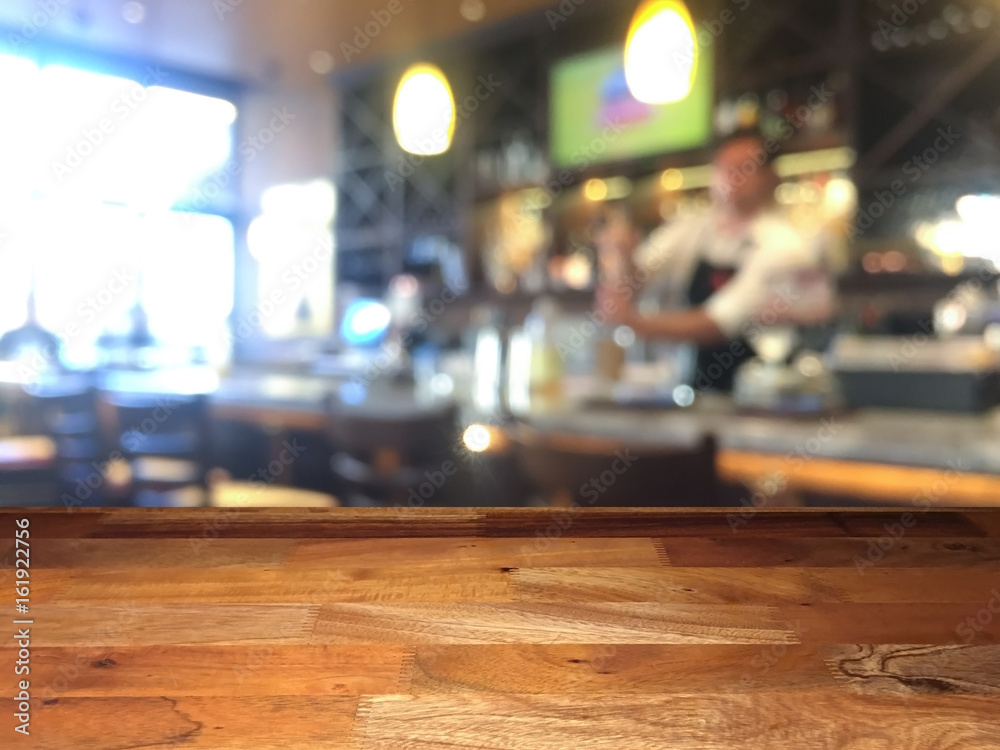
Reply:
x=70, y=454
x=582, y=470
x=88, y=475
x=27, y=471
x=385, y=455
x=166, y=442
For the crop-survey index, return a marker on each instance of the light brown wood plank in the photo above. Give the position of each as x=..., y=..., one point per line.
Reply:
x=680, y=585
x=274, y=723
x=267, y=585
x=225, y=671
x=916, y=670
x=617, y=669
x=817, y=720
x=125, y=554
x=138, y=624
x=44, y=585
x=547, y=623
x=893, y=623
x=826, y=552
x=472, y=553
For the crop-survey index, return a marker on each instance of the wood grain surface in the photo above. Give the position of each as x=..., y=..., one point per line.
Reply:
x=499, y=629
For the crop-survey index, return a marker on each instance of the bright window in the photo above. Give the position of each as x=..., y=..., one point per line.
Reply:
x=92, y=167
x=292, y=242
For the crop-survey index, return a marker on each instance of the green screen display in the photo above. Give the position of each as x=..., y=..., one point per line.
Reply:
x=589, y=94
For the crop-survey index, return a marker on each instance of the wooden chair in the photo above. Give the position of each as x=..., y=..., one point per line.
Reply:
x=64, y=461
x=27, y=471
x=85, y=472
x=383, y=456
x=166, y=441
x=585, y=471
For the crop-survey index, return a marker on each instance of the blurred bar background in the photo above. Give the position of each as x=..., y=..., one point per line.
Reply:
x=225, y=280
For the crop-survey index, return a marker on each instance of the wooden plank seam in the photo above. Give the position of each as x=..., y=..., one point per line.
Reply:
x=516, y=587
x=359, y=732
x=661, y=552
x=404, y=683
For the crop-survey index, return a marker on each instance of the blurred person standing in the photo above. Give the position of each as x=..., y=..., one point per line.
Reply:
x=735, y=270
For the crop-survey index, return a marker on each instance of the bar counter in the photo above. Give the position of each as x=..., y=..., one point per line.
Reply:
x=880, y=455
x=502, y=629
x=939, y=440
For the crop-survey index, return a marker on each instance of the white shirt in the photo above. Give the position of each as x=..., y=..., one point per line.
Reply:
x=783, y=275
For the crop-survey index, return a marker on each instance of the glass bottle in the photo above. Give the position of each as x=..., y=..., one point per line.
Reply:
x=488, y=362
x=546, y=367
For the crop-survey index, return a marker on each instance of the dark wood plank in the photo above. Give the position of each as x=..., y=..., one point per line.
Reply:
x=895, y=623
x=827, y=552
x=51, y=523
x=629, y=522
x=312, y=523
x=987, y=520
x=918, y=585
x=298, y=523
x=911, y=523
x=654, y=522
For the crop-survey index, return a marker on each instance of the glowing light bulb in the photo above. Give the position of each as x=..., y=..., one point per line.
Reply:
x=476, y=438
x=595, y=190
x=661, y=56
x=672, y=179
x=423, y=114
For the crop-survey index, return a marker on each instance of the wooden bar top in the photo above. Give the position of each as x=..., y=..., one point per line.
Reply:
x=499, y=629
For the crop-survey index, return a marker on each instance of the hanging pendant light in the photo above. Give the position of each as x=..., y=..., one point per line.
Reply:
x=423, y=113
x=661, y=54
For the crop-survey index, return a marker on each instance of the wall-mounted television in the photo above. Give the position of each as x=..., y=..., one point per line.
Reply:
x=588, y=93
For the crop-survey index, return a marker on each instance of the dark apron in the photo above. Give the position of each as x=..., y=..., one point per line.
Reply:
x=716, y=365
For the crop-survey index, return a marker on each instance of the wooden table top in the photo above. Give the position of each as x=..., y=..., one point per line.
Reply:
x=485, y=629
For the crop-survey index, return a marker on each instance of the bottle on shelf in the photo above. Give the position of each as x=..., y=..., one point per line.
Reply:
x=545, y=371
x=488, y=364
